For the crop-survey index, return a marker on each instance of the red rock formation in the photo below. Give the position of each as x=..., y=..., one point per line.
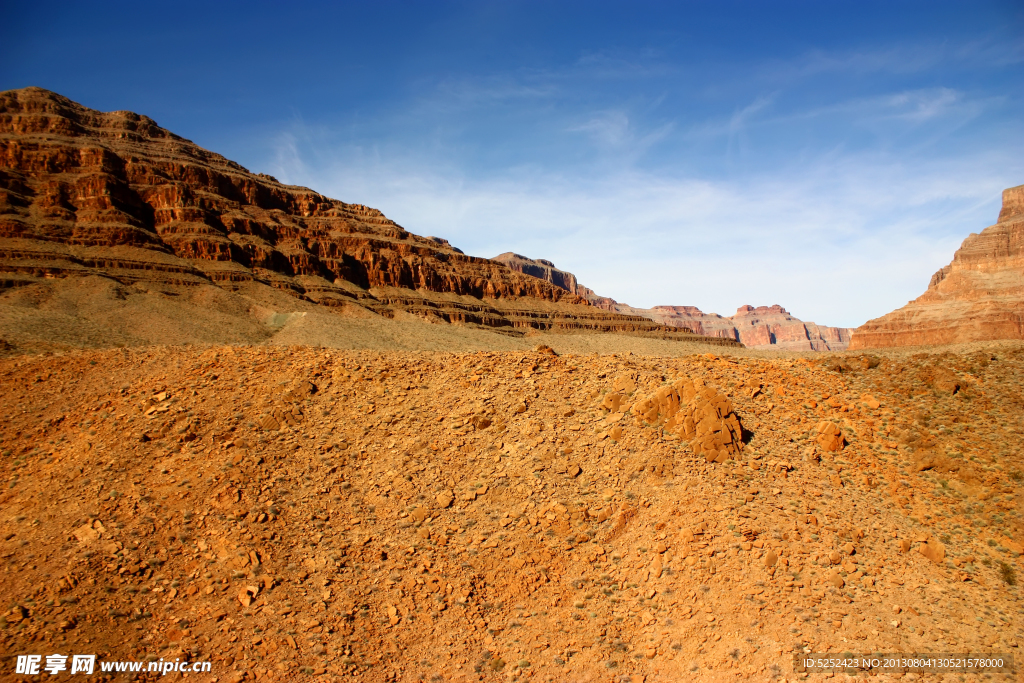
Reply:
x=977, y=297
x=692, y=318
x=763, y=327
x=74, y=177
x=89, y=193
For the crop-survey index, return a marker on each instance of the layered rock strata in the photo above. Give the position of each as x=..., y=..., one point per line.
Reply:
x=113, y=194
x=546, y=270
x=977, y=297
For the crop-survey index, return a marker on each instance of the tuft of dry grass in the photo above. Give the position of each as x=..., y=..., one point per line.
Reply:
x=1007, y=574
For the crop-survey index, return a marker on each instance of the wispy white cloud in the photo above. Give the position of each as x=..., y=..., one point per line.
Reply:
x=838, y=232
x=914, y=106
x=736, y=127
x=990, y=51
x=837, y=243
x=287, y=157
x=614, y=130
x=489, y=90
x=910, y=106
x=921, y=105
x=610, y=128
x=618, y=65
x=740, y=118
x=904, y=59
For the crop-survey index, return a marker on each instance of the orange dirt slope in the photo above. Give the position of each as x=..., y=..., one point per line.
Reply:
x=387, y=516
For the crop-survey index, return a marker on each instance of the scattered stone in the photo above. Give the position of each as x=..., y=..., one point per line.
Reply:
x=934, y=551
x=269, y=423
x=625, y=383
x=830, y=437
x=86, y=534
x=246, y=595
x=612, y=402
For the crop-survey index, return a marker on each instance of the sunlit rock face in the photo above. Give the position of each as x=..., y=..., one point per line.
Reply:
x=977, y=297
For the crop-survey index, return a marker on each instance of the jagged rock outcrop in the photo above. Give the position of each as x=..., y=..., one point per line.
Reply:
x=113, y=194
x=697, y=413
x=775, y=327
x=977, y=297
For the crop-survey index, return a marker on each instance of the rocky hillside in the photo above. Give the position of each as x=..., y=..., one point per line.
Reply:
x=977, y=297
x=115, y=195
x=389, y=517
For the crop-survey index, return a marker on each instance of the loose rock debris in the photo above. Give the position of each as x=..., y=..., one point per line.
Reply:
x=387, y=516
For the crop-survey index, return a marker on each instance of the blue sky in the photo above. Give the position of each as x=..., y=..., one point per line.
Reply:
x=825, y=156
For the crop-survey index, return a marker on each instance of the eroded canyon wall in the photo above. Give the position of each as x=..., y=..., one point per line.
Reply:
x=977, y=297
x=84, y=192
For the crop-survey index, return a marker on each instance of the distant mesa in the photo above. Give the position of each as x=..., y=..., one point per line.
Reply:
x=977, y=297
x=763, y=327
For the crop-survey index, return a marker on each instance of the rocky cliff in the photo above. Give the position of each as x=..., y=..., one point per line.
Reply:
x=546, y=270
x=113, y=194
x=977, y=297
x=540, y=268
